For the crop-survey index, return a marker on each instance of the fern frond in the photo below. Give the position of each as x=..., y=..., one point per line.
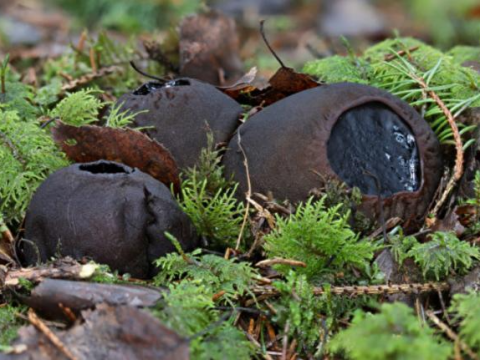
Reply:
x=442, y=254
x=319, y=237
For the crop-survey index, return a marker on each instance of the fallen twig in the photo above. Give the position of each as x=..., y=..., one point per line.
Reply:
x=68, y=269
x=390, y=57
x=85, y=79
x=458, y=168
x=54, y=339
x=247, y=195
x=384, y=289
x=269, y=291
x=451, y=334
x=285, y=341
x=279, y=261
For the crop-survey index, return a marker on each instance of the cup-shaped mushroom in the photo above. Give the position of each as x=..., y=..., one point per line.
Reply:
x=179, y=114
x=108, y=212
x=357, y=134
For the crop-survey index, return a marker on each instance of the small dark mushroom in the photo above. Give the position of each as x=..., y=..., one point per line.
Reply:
x=355, y=133
x=106, y=211
x=180, y=114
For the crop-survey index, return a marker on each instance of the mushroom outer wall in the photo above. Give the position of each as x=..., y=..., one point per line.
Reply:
x=182, y=115
x=116, y=217
x=286, y=148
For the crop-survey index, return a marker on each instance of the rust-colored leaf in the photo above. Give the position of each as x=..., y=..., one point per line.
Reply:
x=285, y=82
x=127, y=146
x=209, y=48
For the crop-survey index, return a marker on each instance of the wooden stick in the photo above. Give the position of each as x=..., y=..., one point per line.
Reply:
x=279, y=261
x=458, y=168
x=248, y=194
x=73, y=271
x=451, y=334
x=54, y=339
x=269, y=291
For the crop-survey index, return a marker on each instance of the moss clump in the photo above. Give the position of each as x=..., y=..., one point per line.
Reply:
x=396, y=64
x=461, y=54
x=372, y=68
x=336, y=69
x=9, y=324
x=394, y=333
x=28, y=155
x=319, y=237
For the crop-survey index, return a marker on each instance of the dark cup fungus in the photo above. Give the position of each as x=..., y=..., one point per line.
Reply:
x=355, y=133
x=106, y=211
x=180, y=114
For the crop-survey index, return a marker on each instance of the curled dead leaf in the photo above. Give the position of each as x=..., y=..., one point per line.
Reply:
x=91, y=143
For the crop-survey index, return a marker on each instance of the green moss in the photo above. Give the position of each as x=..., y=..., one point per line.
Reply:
x=381, y=66
x=79, y=108
x=394, y=333
x=466, y=308
x=28, y=155
x=335, y=69
x=10, y=322
x=460, y=54
x=319, y=237
x=214, y=272
x=188, y=309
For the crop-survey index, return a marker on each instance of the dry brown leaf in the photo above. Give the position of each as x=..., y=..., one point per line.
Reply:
x=127, y=146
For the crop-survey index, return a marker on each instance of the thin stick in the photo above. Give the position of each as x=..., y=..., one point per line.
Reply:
x=390, y=57
x=451, y=334
x=72, y=271
x=262, y=32
x=81, y=41
x=384, y=289
x=285, y=341
x=247, y=195
x=85, y=79
x=93, y=63
x=458, y=169
x=269, y=291
x=141, y=72
x=279, y=261
x=54, y=339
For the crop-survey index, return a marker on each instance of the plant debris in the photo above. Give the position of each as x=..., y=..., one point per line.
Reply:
x=324, y=204
x=119, y=332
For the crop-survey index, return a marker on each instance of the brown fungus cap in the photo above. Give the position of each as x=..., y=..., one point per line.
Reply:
x=180, y=114
x=355, y=133
x=106, y=211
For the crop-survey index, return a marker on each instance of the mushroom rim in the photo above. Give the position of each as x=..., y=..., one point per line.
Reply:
x=392, y=105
